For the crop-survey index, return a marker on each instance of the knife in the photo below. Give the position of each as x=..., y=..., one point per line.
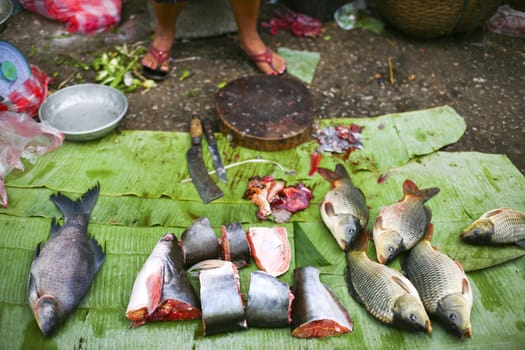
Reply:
x=212, y=147
x=207, y=189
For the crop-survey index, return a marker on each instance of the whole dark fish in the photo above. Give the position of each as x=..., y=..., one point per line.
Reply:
x=343, y=209
x=442, y=285
x=162, y=291
x=64, y=268
x=316, y=311
x=383, y=291
x=497, y=226
x=401, y=225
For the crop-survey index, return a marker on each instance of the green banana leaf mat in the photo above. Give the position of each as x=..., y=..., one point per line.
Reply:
x=144, y=195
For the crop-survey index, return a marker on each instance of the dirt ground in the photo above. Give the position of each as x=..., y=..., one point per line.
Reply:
x=480, y=75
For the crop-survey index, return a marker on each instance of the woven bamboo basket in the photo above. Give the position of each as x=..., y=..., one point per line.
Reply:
x=434, y=18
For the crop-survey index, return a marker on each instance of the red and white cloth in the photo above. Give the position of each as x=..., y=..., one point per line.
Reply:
x=84, y=17
x=28, y=97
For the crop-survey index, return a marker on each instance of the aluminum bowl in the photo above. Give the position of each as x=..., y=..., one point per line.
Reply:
x=84, y=112
x=6, y=10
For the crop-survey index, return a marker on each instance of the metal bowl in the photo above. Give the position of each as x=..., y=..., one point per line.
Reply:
x=84, y=112
x=6, y=10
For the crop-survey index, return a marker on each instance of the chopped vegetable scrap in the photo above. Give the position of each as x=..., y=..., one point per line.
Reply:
x=276, y=199
x=339, y=139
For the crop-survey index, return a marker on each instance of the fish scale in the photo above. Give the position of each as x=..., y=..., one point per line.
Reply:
x=372, y=282
x=433, y=273
x=508, y=228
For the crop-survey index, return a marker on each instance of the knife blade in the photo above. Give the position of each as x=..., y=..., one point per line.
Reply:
x=214, y=151
x=207, y=189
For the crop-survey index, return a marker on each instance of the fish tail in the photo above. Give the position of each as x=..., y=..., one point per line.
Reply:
x=79, y=209
x=410, y=188
x=361, y=243
x=332, y=176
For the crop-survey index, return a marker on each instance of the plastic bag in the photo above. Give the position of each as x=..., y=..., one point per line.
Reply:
x=84, y=17
x=28, y=97
x=22, y=137
x=299, y=24
x=507, y=21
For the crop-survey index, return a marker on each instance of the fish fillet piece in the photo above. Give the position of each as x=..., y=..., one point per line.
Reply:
x=199, y=242
x=269, y=301
x=270, y=249
x=162, y=291
x=221, y=300
x=234, y=244
x=316, y=311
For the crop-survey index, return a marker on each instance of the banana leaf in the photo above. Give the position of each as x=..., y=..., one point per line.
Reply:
x=142, y=197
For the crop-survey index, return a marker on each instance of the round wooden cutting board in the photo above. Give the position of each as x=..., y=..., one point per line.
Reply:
x=266, y=113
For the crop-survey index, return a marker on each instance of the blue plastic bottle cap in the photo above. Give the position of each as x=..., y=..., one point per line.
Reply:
x=9, y=71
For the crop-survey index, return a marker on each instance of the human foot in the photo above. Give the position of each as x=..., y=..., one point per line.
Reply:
x=155, y=63
x=266, y=60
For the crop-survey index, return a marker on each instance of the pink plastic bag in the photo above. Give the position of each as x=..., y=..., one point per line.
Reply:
x=22, y=137
x=507, y=21
x=29, y=96
x=84, y=17
x=299, y=24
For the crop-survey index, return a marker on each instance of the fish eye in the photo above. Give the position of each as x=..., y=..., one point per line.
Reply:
x=452, y=317
x=390, y=249
x=351, y=230
x=476, y=232
x=413, y=317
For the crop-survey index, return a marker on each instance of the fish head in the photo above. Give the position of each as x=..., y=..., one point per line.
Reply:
x=345, y=230
x=409, y=313
x=47, y=314
x=454, y=310
x=388, y=245
x=479, y=232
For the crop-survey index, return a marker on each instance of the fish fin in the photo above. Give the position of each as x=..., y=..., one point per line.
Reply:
x=155, y=284
x=458, y=264
x=493, y=212
x=341, y=172
x=99, y=253
x=333, y=176
x=55, y=227
x=350, y=286
x=430, y=233
x=38, y=248
x=378, y=225
x=465, y=290
x=81, y=207
x=428, y=213
x=32, y=288
x=329, y=209
x=521, y=243
x=410, y=188
x=402, y=284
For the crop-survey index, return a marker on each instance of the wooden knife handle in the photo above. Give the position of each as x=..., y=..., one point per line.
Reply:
x=196, y=128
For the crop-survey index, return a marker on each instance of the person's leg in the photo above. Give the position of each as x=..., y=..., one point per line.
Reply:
x=246, y=13
x=166, y=14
